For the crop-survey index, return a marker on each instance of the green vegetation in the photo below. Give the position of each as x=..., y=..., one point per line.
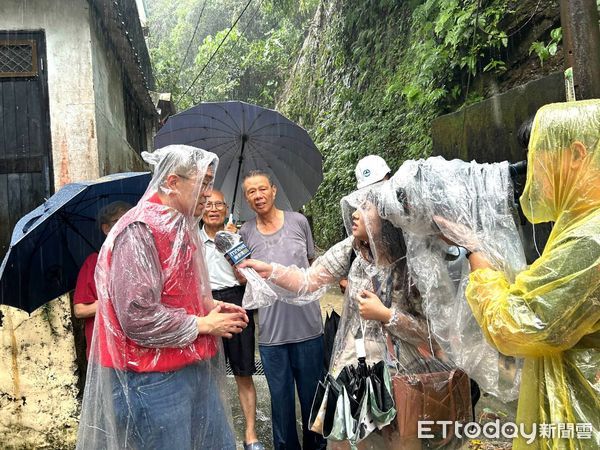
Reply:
x=374, y=79
x=545, y=51
x=253, y=60
x=366, y=77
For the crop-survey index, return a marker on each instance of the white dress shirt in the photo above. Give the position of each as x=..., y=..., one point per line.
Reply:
x=220, y=271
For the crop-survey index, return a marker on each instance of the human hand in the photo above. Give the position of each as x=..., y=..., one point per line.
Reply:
x=477, y=260
x=263, y=269
x=239, y=276
x=222, y=324
x=231, y=227
x=343, y=285
x=227, y=307
x=371, y=308
x=457, y=234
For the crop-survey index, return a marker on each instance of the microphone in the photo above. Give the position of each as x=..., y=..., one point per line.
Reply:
x=232, y=246
x=235, y=251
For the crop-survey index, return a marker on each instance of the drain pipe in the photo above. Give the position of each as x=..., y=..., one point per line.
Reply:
x=581, y=45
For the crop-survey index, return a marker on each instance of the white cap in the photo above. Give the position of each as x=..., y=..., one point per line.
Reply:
x=370, y=169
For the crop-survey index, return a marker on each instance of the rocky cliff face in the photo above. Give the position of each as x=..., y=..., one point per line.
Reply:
x=38, y=379
x=371, y=79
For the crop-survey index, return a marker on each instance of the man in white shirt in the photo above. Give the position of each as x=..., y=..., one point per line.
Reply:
x=228, y=285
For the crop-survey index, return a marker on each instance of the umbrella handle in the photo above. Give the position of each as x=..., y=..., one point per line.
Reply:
x=230, y=218
x=359, y=345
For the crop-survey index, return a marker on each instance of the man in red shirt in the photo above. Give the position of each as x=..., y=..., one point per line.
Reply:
x=156, y=372
x=85, y=299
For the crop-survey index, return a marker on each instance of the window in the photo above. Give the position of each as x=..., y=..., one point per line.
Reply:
x=18, y=58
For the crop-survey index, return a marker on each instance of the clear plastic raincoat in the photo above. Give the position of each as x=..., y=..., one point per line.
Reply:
x=153, y=381
x=380, y=267
x=550, y=314
x=476, y=199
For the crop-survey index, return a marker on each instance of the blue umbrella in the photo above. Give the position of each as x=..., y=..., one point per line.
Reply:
x=49, y=244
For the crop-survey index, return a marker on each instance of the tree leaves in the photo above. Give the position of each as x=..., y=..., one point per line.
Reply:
x=253, y=61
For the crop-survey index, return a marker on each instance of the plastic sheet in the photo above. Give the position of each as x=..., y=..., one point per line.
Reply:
x=154, y=380
x=550, y=313
x=476, y=199
x=258, y=294
x=377, y=276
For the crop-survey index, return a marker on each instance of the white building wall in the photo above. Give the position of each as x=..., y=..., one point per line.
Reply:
x=38, y=379
x=114, y=152
x=38, y=373
x=66, y=24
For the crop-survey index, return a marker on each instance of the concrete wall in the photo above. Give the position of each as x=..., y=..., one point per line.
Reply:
x=487, y=132
x=70, y=87
x=38, y=379
x=114, y=152
x=38, y=371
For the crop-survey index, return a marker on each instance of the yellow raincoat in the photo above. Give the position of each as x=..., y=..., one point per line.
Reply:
x=550, y=314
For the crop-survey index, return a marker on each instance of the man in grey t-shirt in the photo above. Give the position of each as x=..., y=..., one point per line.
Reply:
x=290, y=337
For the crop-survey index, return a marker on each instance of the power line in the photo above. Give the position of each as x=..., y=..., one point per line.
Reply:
x=190, y=44
x=236, y=42
x=252, y=17
x=215, y=52
x=518, y=29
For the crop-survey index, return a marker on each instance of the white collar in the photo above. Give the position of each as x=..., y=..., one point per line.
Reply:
x=205, y=237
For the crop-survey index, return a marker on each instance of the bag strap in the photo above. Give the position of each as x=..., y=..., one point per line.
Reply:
x=453, y=410
x=455, y=377
x=360, y=347
x=451, y=383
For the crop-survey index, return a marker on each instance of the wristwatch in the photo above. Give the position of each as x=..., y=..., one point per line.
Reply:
x=468, y=252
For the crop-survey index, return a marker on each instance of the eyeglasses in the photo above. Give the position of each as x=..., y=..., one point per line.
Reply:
x=219, y=206
x=206, y=181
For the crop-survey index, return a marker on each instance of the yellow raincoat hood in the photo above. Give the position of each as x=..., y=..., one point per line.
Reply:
x=550, y=315
x=564, y=163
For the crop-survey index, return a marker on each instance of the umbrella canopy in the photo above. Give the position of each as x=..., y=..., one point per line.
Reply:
x=248, y=137
x=49, y=244
x=355, y=403
x=330, y=327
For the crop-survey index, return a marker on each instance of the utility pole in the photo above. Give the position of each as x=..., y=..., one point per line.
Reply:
x=581, y=44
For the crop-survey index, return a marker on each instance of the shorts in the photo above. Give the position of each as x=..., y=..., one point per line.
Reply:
x=239, y=350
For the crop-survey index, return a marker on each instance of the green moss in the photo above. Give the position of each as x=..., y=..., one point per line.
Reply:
x=47, y=315
x=371, y=80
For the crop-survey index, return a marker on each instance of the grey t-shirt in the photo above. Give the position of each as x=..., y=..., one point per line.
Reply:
x=292, y=244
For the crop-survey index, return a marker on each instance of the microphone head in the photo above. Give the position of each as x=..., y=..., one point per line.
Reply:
x=231, y=245
x=224, y=240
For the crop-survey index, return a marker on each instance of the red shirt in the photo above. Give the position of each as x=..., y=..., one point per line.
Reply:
x=85, y=292
x=172, y=297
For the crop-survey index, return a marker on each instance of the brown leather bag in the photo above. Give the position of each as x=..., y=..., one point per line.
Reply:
x=434, y=396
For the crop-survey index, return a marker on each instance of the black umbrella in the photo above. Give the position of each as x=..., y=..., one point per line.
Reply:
x=49, y=244
x=330, y=328
x=248, y=137
x=354, y=404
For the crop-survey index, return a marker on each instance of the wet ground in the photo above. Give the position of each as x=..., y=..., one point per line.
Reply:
x=332, y=300
x=487, y=409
